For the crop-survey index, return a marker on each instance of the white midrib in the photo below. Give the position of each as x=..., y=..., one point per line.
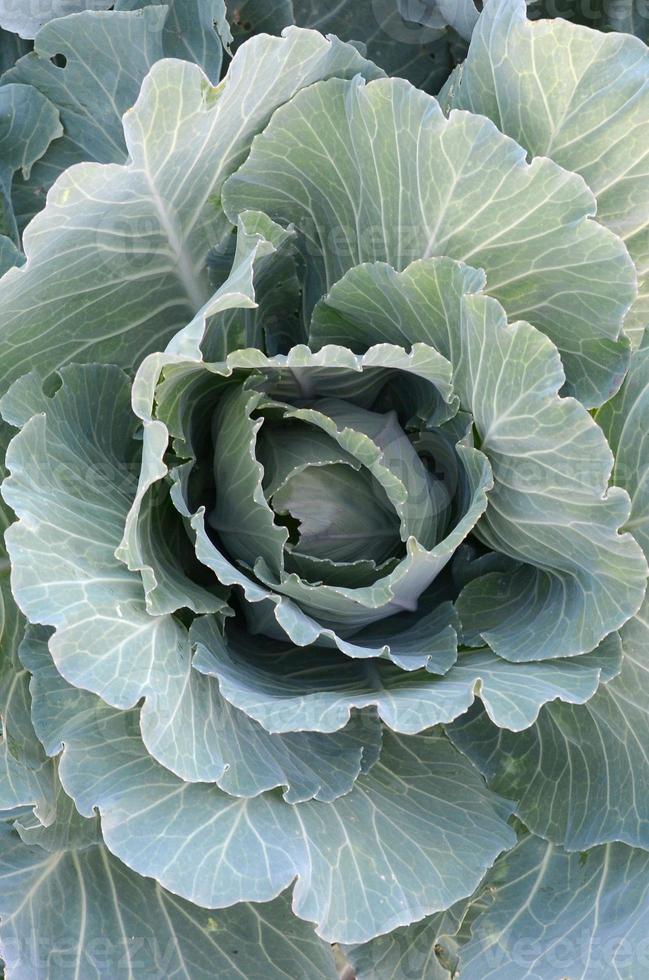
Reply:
x=192, y=285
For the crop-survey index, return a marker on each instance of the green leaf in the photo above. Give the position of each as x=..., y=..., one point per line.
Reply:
x=373, y=303
x=83, y=497
x=15, y=702
x=224, y=745
x=139, y=272
x=241, y=516
x=272, y=686
x=22, y=785
x=424, y=950
x=327, y=163
x=548, y=769
x=71, y=911
x=66, y=499
x=12, y=48
x=273, y=321
x=580, y=775
x=156, y=544
x=28, y=124
x=91, y=92
x=579, y=97
x=513, y=694
x=459, y=14
x=550, y=506
x=9, y=255
x=400, y=47
x=629, y=16
x=249, y=17
x=26, y=776
x=195, y=30
x=15, y=708
x=215, y=850
x=623, y=421
x=26, y=19
x=544, y=913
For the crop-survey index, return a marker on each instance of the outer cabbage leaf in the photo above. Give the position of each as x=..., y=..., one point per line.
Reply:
x=10, y=256
x=26, y=19
x=544, y=913
x=141, y=233
x=629, y=16
x=216, y=850
x=578, y=96
x=549, y=769
x=26, y=776
x=273, y=687
x=22, y=785
x=12, y=47
x=425, y=950
x=377, y=173
x=539, y=914
x=91, y=91
x=550, y=504
x=623, y=421
x=93, y=586
x=28, y=124
x=76, y=908
x=94, y=89
x=195, y=30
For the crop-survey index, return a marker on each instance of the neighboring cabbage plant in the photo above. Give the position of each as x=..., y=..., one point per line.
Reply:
x=630, y=16
x=327, y=508
x=62, y=96
x=422, y=52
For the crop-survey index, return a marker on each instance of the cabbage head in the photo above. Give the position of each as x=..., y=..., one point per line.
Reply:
x=327, y=504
